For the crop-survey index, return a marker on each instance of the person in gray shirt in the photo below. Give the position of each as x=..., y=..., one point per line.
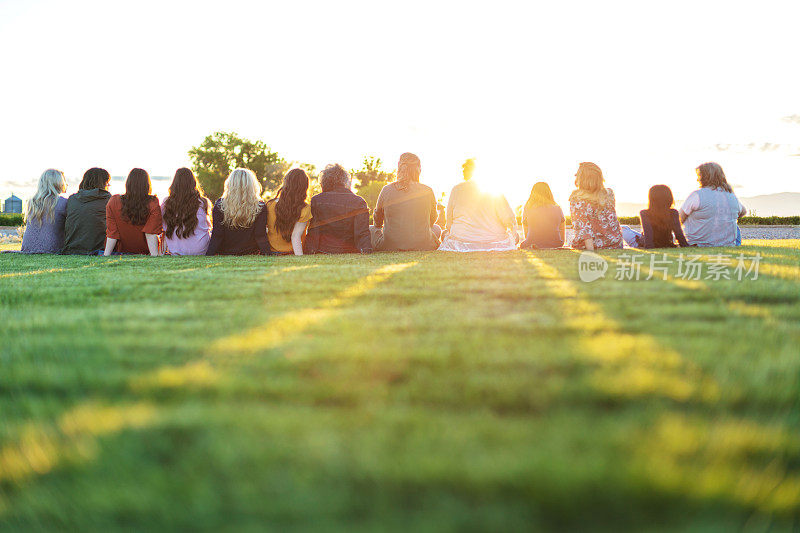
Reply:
x=405, y=213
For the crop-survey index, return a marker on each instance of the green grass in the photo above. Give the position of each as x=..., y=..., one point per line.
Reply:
x=398, y=392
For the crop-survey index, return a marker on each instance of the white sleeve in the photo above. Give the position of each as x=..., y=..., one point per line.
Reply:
x=691, y=203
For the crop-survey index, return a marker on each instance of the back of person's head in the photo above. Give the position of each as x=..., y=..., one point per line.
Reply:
x=409, y=167
x=180, y=207
x=95, y=178
x=334, y=176
x=541, y=195
x=42, y=206
x=468, y=168
x=137, y=197
x=290, y=202
x=711, y=176
x=659, y=203
x=589, y=178
x=241, y=199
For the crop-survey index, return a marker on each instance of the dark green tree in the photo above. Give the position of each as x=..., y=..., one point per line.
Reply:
x=370, y=179
x=221, y=152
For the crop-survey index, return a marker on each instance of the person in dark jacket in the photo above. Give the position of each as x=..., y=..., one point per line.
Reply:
x=85, y=223
x=340, y=218
x=239, y=218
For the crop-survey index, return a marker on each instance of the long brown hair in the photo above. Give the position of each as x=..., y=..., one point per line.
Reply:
x=137, y=197
x=660, y=201
x=180, y=207
x=290, y=201
x=541, y=195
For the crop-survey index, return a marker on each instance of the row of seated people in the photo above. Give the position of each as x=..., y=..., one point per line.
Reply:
x=92, y=221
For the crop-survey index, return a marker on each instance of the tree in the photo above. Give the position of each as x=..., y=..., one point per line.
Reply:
x=370, y=179
x=371, y=171
x=221, y=152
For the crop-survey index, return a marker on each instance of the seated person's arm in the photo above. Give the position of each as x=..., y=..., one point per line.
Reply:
x=647, y=229
x=297, y=237
x=678, y=230
x=152, y=243
x=110, y=245
x=589, y=244
x=562, y=231
x=377, y=215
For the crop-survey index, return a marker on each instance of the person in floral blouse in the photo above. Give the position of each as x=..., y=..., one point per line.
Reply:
x=592, y=207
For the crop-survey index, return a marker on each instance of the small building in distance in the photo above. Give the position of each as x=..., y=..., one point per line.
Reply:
x=13, y=204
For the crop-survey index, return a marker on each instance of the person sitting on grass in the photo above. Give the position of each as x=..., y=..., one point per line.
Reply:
x=710, y=214
x=659, y=222
x=186, y=215
x=85, y=222
x=45, y=215
x=593, y=211
x=542, y=219
x=288, y=214
x=340, y=217
x=478, y=221
x=133, y=219
x=239, y=218
x=405, y=212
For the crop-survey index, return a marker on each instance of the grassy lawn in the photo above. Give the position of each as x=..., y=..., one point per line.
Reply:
x=397, y=392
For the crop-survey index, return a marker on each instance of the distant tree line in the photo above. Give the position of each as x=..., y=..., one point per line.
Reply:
x=221, y=152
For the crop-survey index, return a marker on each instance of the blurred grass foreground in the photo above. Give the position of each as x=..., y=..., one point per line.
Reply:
x=397, y=392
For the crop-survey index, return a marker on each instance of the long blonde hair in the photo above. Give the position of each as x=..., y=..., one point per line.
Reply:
x=590, y=185
x=409, y=168
x=241, y=200
x=43, y=204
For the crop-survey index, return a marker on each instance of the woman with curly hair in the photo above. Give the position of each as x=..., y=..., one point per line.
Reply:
x=240, y=218
x=288, y=214
x=133, y=219
x=186, y=214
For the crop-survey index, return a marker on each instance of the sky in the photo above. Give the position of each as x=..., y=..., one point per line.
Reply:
x=647, y=90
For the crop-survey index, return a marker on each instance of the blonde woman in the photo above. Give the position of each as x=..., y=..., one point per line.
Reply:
x=593, y=211
x=45, y=215
x=542, y=219
x=239, y=218
x=406, y=211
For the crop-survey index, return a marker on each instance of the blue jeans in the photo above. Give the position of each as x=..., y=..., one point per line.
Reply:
x=632, y=238
x=738, y=236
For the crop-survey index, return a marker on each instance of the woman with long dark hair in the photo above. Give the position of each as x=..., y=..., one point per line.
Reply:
x=133, y=219
x=288, y=214
x=710, y=214
x=542, y=219
x=186, y=214
x=660, y=221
